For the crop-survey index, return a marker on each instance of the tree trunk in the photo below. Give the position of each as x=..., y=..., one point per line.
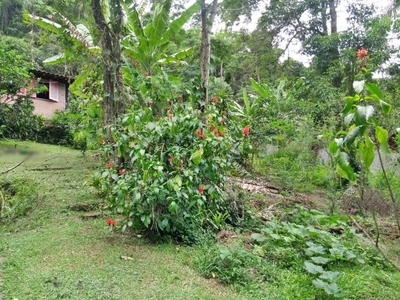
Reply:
x=205, y=56
x=113, y=101
x=333, y=14
x=337, y=81
x=324, y=19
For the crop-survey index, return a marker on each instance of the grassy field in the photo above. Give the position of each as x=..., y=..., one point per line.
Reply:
x=54, y=251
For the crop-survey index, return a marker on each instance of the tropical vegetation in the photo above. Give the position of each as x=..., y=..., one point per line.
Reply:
x=270, y=171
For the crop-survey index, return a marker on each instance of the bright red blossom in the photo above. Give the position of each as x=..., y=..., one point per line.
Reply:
x=120, y=171
x=361, y=53
x=146, y=74
x=108, y=165
x=110, y=222
x=214, y=99
x=246, y=130
x=200, y=134
x=201, y=189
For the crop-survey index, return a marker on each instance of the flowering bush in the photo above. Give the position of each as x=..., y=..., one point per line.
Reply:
x=174, y=169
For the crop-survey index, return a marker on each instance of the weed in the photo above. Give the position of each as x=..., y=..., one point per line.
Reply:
x=17, y=198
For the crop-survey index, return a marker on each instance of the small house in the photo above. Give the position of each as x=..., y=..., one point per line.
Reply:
x=54, y=98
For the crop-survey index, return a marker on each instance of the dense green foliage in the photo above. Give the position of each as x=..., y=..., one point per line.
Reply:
x=168, y=174
x=171, y=140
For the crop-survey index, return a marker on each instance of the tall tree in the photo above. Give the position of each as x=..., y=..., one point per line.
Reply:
x=109, y=32
x=208, y=13
x=231, y=11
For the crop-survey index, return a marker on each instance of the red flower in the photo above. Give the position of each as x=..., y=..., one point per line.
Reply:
x=171, y=159
x=146, y=74
x=201, y=189
x=214, y=99
x=120, y=171
x=361, y=53
x=216, y=132
x=246, y=130
x=200, y=134
x=110, y=222
x=108, y=165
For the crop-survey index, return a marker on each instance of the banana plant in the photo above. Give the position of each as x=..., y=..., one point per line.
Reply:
x=78, y=34
x=249, y=112
x=147, y=45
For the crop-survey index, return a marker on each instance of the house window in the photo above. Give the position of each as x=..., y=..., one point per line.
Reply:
x=51, y=92
x=45, y=93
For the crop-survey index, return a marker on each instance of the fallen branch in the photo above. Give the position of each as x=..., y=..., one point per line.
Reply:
x=371, y=239
x=17, y=165
x=2, y=205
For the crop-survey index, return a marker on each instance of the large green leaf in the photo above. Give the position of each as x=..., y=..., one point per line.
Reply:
x=333, y=147
x=313, y=268
x=353, y=134
x=56, y=59
x=349, y=106
x=155, y=29
x=363, y=114
x=374, y=89
x=134, y=22
x=196, y=156
x=343, y=166
x=178, y=56
x=382, y=137
x=386, y=107
x=329, y=288
x=263, y=90
x=348, y=119
x=47, y=24
x=177, y=24
x=367, y=151
x=358, y=86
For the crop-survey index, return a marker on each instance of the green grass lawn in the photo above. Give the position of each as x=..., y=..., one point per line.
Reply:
x=53, y=252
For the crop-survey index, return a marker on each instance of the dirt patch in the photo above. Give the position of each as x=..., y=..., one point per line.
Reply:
x=260, y=186
x=354, y=201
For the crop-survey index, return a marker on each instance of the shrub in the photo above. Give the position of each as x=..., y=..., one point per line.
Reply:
x=17, y=121
x=168, y=174
x=17, y=198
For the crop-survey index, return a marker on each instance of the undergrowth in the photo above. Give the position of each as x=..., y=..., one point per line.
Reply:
x=320, y=249
x=17, y=198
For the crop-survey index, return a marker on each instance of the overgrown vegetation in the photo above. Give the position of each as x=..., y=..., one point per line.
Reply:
x=279, y=176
